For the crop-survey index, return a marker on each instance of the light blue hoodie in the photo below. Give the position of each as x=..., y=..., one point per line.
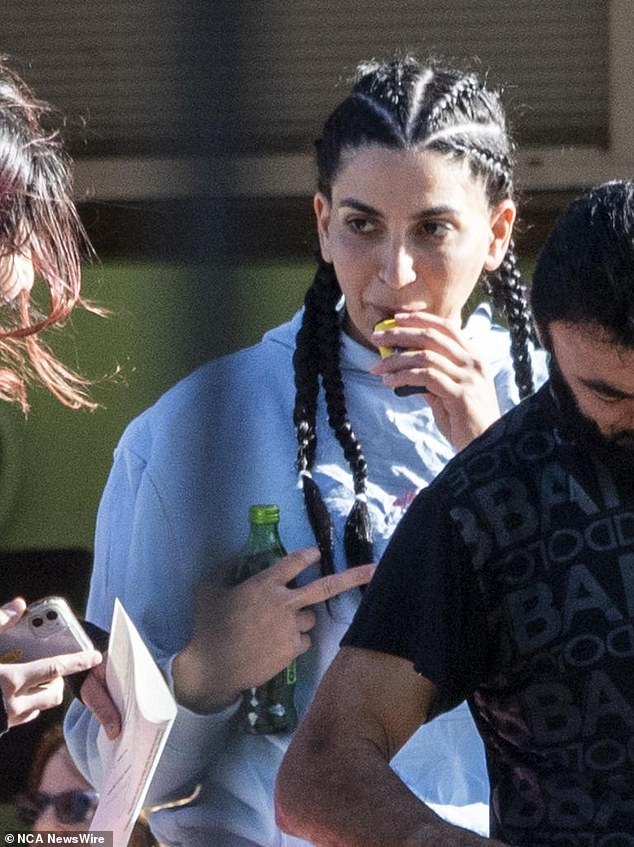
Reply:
x=176, y=504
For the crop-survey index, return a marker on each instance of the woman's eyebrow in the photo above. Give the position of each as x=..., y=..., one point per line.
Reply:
x=424, y=214
x=352, y=203
x=436, y=211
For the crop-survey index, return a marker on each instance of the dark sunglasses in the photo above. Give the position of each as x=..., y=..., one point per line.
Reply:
x=72, y=807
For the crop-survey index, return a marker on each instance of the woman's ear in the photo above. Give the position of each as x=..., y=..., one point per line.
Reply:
x=322, y=208
x=502, y=221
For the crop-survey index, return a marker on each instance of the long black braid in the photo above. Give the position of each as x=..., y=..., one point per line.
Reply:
x=357, y=535
x=399, y=105
x=509, y=297
x=306, y=364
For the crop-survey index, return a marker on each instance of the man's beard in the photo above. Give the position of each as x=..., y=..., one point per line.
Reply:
x=615, y=450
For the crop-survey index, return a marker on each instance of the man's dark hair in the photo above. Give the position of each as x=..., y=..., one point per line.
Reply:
x=585, y=271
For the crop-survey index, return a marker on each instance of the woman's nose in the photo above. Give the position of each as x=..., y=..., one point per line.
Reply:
x=397, y=268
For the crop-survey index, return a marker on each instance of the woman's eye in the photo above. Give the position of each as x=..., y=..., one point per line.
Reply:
x=437, y=229
x=362, y=225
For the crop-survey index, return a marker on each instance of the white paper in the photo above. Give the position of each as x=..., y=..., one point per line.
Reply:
x=147, y=711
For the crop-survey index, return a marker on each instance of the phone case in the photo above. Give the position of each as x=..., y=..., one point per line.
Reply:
x=47, y=628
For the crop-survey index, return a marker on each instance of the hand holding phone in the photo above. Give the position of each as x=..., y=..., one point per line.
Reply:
x=39, y=646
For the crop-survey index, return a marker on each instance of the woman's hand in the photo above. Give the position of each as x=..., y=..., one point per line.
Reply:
x=245, y=634
x=435, y=354
x=27, y=688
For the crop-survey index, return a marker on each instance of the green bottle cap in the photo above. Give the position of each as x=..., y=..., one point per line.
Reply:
x=264, y=513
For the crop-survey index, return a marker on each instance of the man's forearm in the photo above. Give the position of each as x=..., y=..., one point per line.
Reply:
x=352, y=798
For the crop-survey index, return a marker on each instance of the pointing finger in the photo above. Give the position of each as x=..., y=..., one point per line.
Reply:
x=294, y=563
x=330, y=586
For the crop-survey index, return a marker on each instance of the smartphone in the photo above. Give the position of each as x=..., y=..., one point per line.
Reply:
x=48, y=627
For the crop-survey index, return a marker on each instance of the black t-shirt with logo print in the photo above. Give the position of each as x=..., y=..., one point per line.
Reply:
x=510, y=583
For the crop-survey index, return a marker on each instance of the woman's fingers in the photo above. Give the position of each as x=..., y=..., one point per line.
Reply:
x=287, y=569
x=40, y=697
x=42, y=671
x=11, y=613
x=23, y=702
x=31, y=687
x=244, y=634
x=306, y=620
x=27, y=717
x=433, y=371
x=319, y=590
x=436, y=355
x=451, y=347
x=330, y=586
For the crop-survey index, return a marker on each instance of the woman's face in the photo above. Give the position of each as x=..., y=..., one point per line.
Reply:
x=60, y=775
x=408, y=231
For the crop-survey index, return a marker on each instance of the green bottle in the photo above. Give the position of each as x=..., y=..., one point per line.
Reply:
x=269, y=707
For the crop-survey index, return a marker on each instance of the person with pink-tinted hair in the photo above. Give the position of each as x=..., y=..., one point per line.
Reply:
x=42, y=242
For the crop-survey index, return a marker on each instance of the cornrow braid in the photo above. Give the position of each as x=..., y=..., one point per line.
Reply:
x=463, y=90
x=361, y=119
x=387, y=87
x=417, y=101
x=382, y=113
x=495, y=168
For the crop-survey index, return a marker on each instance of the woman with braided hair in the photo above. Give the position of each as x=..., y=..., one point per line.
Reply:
x=414, y=207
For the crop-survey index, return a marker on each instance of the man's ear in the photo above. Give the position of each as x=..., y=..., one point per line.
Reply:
x=502, y=220
x=322, y=208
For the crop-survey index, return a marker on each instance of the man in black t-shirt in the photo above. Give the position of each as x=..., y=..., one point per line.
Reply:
x=509, y=583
